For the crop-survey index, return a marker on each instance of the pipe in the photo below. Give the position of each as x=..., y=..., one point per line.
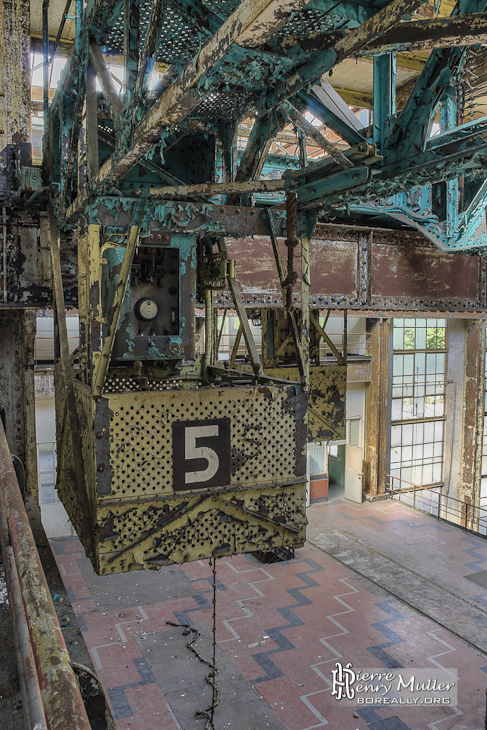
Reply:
x=34, y=716
x=45, y=48
x=31, y=697
x=61, y=697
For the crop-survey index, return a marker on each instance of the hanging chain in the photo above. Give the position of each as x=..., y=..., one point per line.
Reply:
x=210, y=678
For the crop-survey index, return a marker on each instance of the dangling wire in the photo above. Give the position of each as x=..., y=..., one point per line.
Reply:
x=215, y=699
x=210, y=678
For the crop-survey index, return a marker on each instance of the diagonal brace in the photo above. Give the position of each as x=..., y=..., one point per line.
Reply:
x=103, y=361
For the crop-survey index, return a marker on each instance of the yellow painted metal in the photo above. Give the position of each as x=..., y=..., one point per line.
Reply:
x=326, y=404
x=102, y=364
x=141, y=521
x=134, y=441
x=305, y=312
x=321, y=331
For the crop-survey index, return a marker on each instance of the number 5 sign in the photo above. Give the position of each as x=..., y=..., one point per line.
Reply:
x=201, y=453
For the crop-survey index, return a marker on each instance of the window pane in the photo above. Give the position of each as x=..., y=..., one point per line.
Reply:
x=397, y=368
x=354, y=432
x=396, y=409
x=421, y=337
x=407, y=454
x=396, y=435
x=441, y=339
x=317, y=461
x=408, y=364
x=398, y=338
x=437, y=470
x=409, y=338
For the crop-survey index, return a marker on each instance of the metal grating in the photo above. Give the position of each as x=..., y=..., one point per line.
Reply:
x=222, y=7
x=127, y=383
x=179, y=40
x=311, y=21
x=217, y=104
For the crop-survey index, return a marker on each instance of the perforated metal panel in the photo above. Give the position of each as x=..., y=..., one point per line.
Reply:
x=222, y=7
x=179, y=40
x=311, y=21
x=225, y=103
x=141, y=519
x=263, y=422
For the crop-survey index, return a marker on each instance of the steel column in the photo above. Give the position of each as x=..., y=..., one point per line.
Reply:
x=376, y=413
x=473, y=411
x=384, y=95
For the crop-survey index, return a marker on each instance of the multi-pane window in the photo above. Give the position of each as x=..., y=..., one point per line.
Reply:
x=418, y=400
x=483, y=480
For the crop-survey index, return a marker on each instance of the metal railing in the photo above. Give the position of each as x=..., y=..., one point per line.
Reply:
x=50, y=692
x=434, y=502
x=358, y=344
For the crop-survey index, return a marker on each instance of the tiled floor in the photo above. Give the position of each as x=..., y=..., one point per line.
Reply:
x=282, y=628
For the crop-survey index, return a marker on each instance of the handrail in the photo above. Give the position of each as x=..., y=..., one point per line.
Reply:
x=451, y=509
x=48, y=682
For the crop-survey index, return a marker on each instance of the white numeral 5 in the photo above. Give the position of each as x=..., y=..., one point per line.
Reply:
x=191, y=451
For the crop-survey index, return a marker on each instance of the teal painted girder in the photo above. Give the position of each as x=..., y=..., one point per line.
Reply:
x=404, y=160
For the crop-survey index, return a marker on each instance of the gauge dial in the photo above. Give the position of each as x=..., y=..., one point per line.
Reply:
x=146, y=309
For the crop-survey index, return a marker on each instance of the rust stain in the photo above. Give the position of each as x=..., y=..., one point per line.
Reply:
x=410, y=271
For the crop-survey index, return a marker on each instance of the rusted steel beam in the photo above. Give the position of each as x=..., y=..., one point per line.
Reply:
x=61, y=697
x=131, y=42
x=416, y=35
x=29, y=684
x=176, y=192
x=323, y=60
x=263, y=132
x=209, y=357
x=112, y=98
x=305, y=311
x=252, y=23
x=321, y=330
x=424, y=35
x=147, y=57
x=300, y=356
x=67, y=379
x=401, y=270
x=93, y=164
x=473, y=412
x=314, y=134
x=375, y=451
